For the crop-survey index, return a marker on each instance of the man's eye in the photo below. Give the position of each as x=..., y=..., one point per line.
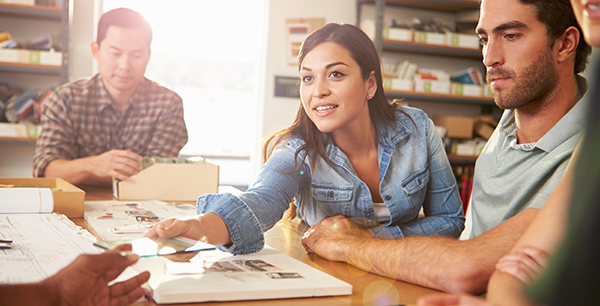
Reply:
x=483, y=41
x=511, y=36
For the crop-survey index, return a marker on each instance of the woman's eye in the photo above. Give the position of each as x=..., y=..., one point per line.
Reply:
x=336, y=74
x=306, y=79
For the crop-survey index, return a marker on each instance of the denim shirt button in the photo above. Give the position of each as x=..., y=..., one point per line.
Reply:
x=331, y=194
x=419, y=181
x=388, y=197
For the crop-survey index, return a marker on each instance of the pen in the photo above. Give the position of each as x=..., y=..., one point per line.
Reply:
x=6, y=241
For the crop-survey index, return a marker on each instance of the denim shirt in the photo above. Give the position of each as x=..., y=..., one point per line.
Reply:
x=414, y=172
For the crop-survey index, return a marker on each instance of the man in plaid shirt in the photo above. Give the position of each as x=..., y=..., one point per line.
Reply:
x=99, y=128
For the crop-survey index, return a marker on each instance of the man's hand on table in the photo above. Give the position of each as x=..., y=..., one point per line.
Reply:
x=331, y=236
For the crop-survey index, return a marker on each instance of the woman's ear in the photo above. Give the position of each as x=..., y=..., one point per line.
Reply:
x=371, y=84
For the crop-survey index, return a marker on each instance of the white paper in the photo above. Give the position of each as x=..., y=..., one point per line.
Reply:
x=42, y=245
x=198, y=281
x=26, y=200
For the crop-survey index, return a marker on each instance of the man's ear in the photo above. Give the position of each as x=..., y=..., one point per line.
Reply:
x=567, y=43
x=95, y=47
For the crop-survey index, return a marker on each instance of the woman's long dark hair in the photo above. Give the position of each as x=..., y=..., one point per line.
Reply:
x=363, y=51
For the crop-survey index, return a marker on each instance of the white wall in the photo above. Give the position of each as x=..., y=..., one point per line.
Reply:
x=82, y=34
x=279, y=112
x=276, y=113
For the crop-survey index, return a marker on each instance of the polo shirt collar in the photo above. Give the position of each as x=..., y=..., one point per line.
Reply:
x=570, y=124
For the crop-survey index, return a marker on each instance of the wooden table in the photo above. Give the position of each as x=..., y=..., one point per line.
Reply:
x=368, y=288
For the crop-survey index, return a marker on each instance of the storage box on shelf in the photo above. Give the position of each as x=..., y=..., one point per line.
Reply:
x=444, y=46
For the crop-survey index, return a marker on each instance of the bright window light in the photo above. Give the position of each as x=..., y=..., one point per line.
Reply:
x=208, y=52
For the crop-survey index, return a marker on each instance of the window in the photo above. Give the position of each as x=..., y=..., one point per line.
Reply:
x=208, y=52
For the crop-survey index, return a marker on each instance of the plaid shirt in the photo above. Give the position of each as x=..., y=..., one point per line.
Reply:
x=79, y=120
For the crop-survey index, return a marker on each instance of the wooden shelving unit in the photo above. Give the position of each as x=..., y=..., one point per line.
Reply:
x=419, y=48
x=48, y=13
x=435, y=97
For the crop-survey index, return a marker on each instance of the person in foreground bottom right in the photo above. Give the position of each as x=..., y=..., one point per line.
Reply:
x=528, y=275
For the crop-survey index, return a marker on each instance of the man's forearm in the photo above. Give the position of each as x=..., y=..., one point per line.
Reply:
x=73, y=171
x=437, y=262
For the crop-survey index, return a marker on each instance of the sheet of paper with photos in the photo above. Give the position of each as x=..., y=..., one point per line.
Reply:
x=127, y=220
x=219, y=276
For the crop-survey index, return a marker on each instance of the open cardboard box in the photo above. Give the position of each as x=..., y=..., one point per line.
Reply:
x=169, y=182
x=68, y=199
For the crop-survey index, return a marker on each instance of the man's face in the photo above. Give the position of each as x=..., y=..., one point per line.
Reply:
x=122, y=58
x=516, y=52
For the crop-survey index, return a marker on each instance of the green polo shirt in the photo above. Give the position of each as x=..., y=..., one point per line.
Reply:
x=510, y=177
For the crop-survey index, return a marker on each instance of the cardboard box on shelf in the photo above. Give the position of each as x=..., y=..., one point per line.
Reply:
x=398, y=34
x=462, y=40
x=483, y=129
x=442, y=87
x=430, y=38
x=68, y=199
x=18, y=130
x=456, y=126
x=35, y=57
x=487, y=92
x=470, y=90
x=398, y=84
x=169, y=182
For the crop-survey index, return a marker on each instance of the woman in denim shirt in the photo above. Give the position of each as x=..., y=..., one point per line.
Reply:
x=349, y=152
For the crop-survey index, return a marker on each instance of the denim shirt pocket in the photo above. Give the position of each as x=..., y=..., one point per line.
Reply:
x=415, y=187
x=334, y=199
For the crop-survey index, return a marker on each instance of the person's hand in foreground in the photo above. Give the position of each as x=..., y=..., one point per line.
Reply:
x=524, y=263
x=325, y=237
x=209, y=228
x=452, y=300
x=120, y=164
x=85, y=280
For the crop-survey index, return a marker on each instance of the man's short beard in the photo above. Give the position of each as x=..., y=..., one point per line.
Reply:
x=531, y=87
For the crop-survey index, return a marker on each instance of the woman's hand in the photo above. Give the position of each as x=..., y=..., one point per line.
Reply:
x=526, y=263
x=209, y=228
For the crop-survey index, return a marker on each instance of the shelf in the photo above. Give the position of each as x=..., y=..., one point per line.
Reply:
x=438, y=5
x=419, y=48
x=36, y=11
x=461, y=159
x=29, y=68
x=421, y=96
x=17, y=140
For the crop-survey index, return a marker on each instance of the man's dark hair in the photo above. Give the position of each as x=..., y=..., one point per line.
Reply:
x=124, y=18
x=558, y=15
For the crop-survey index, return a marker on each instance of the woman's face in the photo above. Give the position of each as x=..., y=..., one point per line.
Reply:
x=588, y=16
x=333, y=92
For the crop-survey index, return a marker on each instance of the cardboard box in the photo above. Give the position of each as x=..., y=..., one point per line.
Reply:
x=456, y=126
x=68, y=199
x=470, y=41
x=19, y=130
x=31, y=57
x=483, y=129
x=441, y=87
x=398, y=34
x=169, y=182
x=470, y=90
x=430, y=38
x=398, y=84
